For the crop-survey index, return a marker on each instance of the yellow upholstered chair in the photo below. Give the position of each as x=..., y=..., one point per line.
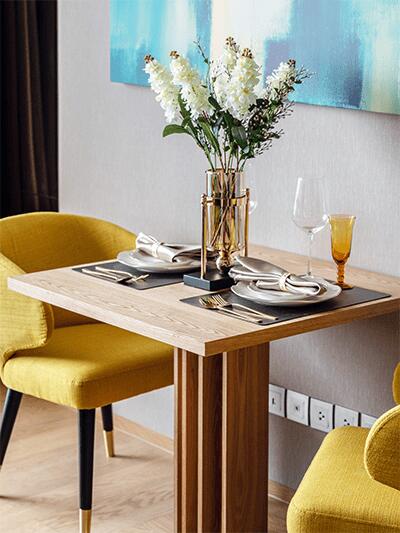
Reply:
x=63, y=357
x=353, y=482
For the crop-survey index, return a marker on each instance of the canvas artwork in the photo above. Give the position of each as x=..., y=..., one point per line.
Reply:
x=352, y=46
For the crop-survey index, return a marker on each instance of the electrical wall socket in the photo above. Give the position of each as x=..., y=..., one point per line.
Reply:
x=297, y=407
x=367, y=421
x=321, y=415
x=345, y=417
x=277, y=400
x=318, y=414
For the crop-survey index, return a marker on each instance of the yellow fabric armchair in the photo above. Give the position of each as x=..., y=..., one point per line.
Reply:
x=382, y=449
x=24, y=322
x=353, y=482
x=63, y=357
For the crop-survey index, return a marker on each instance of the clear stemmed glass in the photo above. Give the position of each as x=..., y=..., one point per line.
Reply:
x=309, y=210
x=250, y=181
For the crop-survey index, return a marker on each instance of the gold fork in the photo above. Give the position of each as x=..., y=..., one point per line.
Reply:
x=219, y=299
x=208, y=303
x=114, y=277
x=122, y=273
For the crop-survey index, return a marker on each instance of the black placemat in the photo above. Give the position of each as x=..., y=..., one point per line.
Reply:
x=154, y=280
x=354, y=296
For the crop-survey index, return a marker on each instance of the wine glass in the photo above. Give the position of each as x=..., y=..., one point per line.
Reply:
x=309, y=210
x=341, y=238
x=250, y=182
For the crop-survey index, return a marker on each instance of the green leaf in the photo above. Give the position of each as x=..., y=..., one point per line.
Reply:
x=239, y=134
x=228, y=119
x=214, y=103
x=173, y=128
x=209, y=134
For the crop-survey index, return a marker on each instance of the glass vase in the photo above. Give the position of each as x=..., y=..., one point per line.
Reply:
x=226, y=215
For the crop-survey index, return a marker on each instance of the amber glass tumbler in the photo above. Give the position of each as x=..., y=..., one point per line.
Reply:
x=341, y=239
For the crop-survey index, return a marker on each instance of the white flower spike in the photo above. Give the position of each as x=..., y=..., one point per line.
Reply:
x=222, y=70
x=240, y=92
x=281, y=81
x=161, y=83
x=193, y=92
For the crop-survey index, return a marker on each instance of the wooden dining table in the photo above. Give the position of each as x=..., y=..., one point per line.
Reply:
x=221, y=379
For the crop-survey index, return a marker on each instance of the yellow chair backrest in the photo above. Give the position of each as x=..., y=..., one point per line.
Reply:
x=382, y=448
x=41, y=241
x=396, y=385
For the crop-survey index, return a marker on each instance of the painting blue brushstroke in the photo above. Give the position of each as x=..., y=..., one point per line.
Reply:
x=352, y=46
x=140, y=27
x=335, y=40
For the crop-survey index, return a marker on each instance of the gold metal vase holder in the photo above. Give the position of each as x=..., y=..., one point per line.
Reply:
x=217, y=278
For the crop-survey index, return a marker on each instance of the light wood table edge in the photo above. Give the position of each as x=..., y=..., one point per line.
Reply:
x=258, y=336
x=297, y=326
x=21, y=285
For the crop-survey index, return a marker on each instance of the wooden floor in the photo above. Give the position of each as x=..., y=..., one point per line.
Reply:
x=133, y=491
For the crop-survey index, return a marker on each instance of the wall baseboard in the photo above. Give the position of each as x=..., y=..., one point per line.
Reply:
x=280, y=492
x=275, y=490
x=141, y=432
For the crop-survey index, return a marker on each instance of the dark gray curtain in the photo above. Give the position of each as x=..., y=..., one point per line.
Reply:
x=29, y=166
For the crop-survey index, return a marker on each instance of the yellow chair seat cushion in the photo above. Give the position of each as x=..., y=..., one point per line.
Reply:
x=89, y=366
x=337, y=495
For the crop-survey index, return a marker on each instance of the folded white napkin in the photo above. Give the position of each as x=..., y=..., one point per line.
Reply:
x=170, y=253
x=271, y=277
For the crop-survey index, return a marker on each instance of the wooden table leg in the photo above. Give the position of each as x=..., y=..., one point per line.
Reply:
x=198, y=441
x=221, y=441
x=186, y=445
x=245, y=440
x=210, y=444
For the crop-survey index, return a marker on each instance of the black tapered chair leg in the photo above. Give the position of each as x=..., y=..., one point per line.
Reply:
x=86, y=457
x=10, y=410
x=107, y=415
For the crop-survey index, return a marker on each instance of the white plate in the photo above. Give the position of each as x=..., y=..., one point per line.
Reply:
x=150, y=264
x=249, y=291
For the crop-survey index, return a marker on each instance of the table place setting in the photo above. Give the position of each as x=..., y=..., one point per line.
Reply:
x=272, y=294
x=152, y=264
x=260, y=293
x=152, y=255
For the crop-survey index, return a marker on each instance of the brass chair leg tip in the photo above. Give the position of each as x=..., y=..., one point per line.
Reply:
x=85, y=519
x=109, y=443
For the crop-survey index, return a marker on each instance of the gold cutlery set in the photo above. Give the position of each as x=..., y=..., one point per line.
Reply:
x=218, y=303
x=118, y=276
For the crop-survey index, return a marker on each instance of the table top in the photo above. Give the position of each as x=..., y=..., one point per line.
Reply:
x=158, y=313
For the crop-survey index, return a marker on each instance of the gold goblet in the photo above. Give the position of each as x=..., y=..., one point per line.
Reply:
x=341, y=237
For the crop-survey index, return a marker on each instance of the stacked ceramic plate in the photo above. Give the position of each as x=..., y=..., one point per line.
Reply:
x=147, y=263
x=249, y=291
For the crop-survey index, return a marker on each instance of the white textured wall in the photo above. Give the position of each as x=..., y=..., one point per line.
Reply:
x=115, y=165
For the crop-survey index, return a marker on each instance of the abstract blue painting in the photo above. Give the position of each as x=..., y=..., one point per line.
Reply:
x=352, y=46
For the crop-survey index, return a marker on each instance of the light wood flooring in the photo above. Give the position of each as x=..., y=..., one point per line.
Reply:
x=133, y=492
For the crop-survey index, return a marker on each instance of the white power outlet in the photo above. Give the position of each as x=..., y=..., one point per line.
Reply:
x=321, y=415
x=277, y=400
x=367, y=421
x=297, y=407
x=345, y=417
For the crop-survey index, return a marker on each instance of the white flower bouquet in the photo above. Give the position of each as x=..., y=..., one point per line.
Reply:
x=230, y=115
